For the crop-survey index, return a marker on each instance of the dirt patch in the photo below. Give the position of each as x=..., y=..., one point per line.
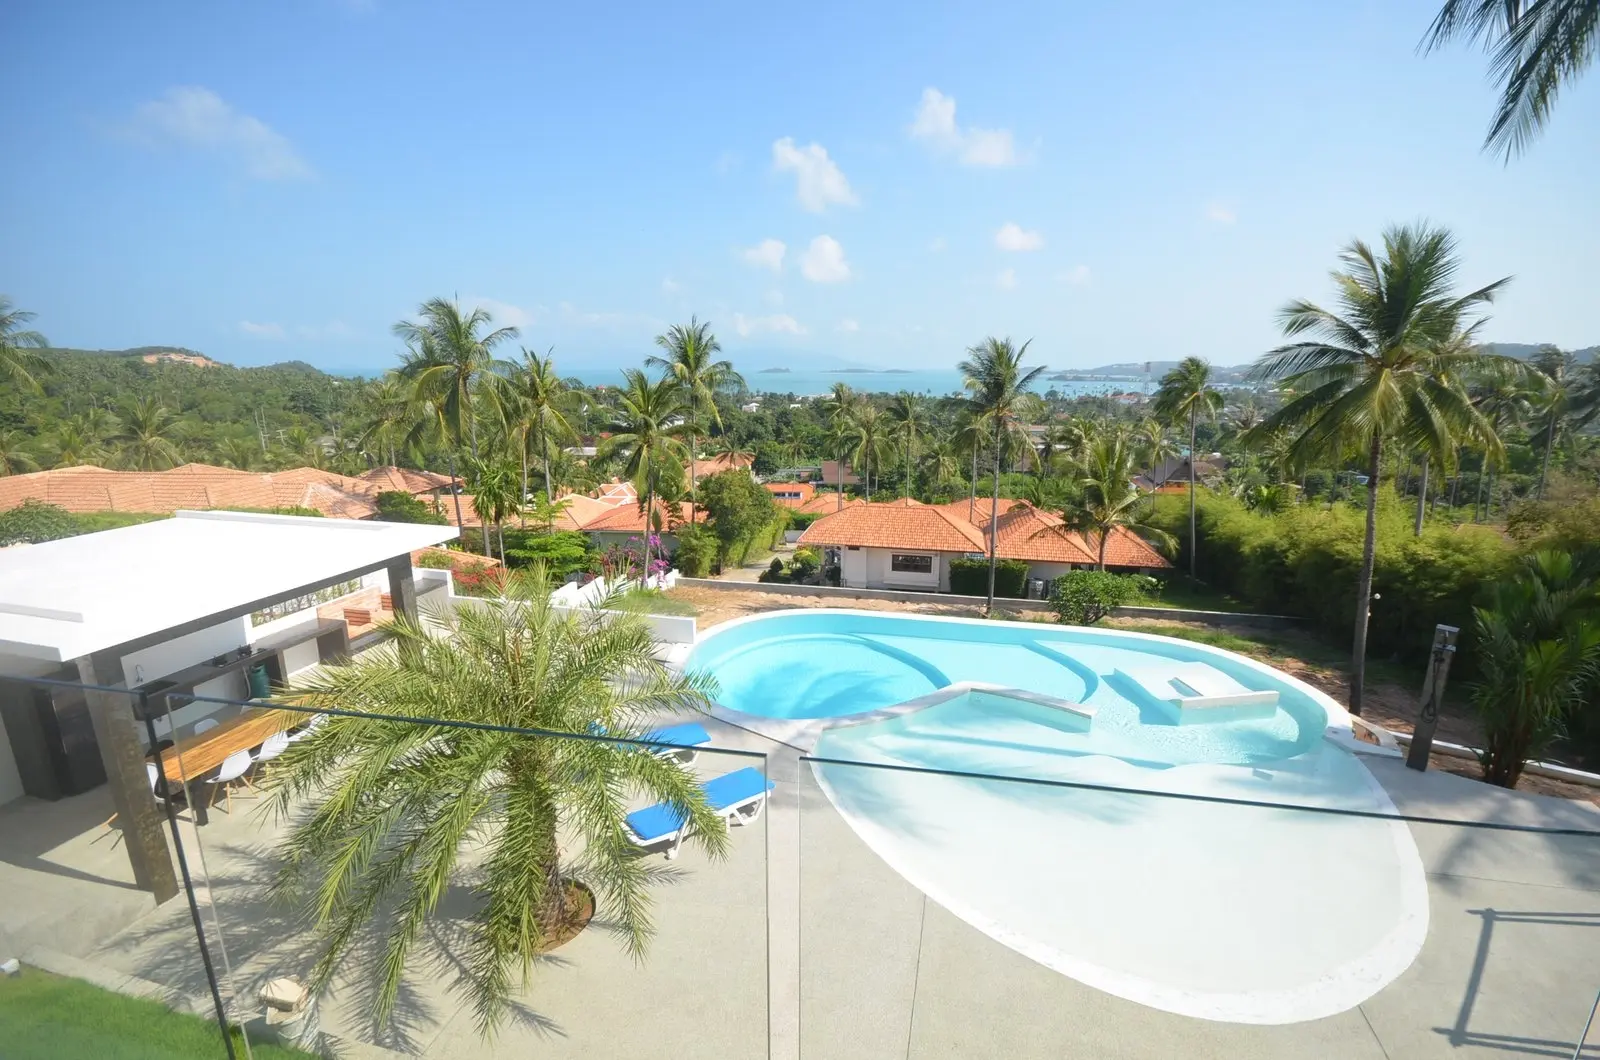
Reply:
x=579, y=911
x=720, y=605
x=1533, y=785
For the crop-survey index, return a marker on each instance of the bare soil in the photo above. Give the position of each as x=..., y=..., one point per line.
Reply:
x=579, y=910
x=1386, y=703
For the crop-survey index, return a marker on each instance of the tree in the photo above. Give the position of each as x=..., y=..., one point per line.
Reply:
x=1538, y=649
x=1105, y=498
x=1539, y=47
x=1084, y=597
x=539, y=404
x=738, y=508
x=1565, y=399
x=19, y=365
x=493, y=485
x=15, y=459
x=689, y=363
x=1504, y=393
x=997, y=388
x=1186, y=394
x=386, y=412
x=909, y=420
x=242, y=454
x=839, y=407
x=647, y=431
x=451, y=360
x=149, y=436
x=869, y=438
x=76, y=445
x=34, y=522
x=1388, y=366
x=385, y=814
x=398, y=506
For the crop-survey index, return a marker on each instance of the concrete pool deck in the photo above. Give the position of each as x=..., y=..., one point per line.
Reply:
x=805, y=944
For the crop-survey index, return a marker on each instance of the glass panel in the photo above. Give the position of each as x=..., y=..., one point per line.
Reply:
x=1196, y=911
x=699, y=988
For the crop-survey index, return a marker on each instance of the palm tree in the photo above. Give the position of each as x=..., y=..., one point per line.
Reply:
x=1186, y=394
x=689, y=362
x=648, y=430
x=242, y=454
x=451, y=360
x=493, y=485
x=909, y=420
x=839, y=407
x=386, y=815
x=997, y=389
x=19, y=365
x=15, y=459
x=1150, y=437
x=870, y=437
x=386, y=411
x=74, y=445
x=539, y=402
x=1105, y=498
x=1539, y=47
x=149, y=436
x=1503, y=392
x=1565, y=401
x=941, y=462
x=1538, y=649
x=972, y=434
x=1386, y=367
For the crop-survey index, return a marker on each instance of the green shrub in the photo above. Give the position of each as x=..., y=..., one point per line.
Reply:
x=970, y=577
x=697, y=550
x=562, y=552
x=1084, y=597
x=34, y=522
x=806, y=561
x=801, y=520
x=398, y=506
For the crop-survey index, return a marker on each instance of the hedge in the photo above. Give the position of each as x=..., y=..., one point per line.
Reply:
x=1305, y=561
x=970, y=577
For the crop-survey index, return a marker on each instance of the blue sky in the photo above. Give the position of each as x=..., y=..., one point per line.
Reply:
x=882, y=184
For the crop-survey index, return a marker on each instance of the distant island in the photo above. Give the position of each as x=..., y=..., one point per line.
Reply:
x=873, y=371
x=773, y=371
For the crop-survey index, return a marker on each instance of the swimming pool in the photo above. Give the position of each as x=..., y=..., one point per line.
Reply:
x=1018, y=775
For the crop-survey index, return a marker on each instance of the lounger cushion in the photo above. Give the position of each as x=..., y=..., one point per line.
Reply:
x=662, y=820
x=689, y=734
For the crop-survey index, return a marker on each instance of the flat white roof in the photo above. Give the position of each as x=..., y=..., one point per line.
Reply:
x=64, y=599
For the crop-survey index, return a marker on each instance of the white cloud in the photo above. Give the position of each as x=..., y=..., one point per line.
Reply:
x=777, y=323
x=1013, y=236
x=198, y=118
x=935, y=123
x=936, y=244
x=818, y=181
x=505, y=314
x=1220, y=214
x=1078, y=275
x=848, y=324
x=773, y=297
x=261, y=331
x=823, y=261
x=670, y=286
x=1006, y=279
x=767, y=254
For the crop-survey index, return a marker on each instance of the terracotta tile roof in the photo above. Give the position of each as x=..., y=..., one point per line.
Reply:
x=823, y=503
x=830, y=474
x=617, y=493
x=630, y=518
x=196, y=486
x=711, y=465
x=580, y=511
x=799, y=493
x=902, y=524
x=405, y=479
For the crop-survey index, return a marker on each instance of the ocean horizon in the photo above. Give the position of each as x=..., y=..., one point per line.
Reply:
x=930, y=382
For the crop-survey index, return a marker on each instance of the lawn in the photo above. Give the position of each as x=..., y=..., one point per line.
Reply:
x=653, y=602
x=1179, y=591
x=51, y=1017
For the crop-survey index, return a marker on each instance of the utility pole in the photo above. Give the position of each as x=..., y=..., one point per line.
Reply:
x=1444, y=650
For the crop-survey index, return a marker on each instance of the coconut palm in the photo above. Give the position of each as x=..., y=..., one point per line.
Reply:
x=242, y=454
x=648, y=430
x=1538, y=649
x=1105, y=498
x=971, y=439
x=1539, y=47
x=150, y=435
x=839, y=406
x=941, y=462
x=1186, y=393
x=998, y=390
x=20, y=366
x=73, y=445
x=690, y=362
x=478, y=791
x=871, y=435
x=1387, y=367
x=909, y=420
x=386, y=414
x=15, y=458
x=451, y=357
x=539, y=404
x=493, y=486
x=1504, y=393
x=1564, y=398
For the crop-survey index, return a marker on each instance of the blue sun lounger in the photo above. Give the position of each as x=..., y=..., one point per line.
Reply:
x=736, y=797
x=671, y=741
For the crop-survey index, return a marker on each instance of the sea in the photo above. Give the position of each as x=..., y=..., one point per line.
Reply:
x=932, y=382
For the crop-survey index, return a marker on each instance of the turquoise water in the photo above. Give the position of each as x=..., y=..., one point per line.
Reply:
x=806, y=665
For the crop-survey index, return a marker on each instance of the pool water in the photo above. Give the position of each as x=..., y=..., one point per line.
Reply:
x=812, y=665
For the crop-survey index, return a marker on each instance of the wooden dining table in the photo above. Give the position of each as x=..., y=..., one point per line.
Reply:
x=194, y=757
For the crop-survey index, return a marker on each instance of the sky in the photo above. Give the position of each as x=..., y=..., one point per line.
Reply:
x=875, y=184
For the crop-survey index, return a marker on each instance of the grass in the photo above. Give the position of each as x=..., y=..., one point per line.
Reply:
x=653, y=602
x=49, y=1017
x=1180, y=591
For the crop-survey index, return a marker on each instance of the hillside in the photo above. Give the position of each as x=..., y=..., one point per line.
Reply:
x=1235, y=373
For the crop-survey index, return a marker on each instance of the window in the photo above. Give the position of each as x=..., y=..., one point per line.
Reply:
x=909, y=564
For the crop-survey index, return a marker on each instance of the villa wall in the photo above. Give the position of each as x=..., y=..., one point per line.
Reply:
x=869, y=568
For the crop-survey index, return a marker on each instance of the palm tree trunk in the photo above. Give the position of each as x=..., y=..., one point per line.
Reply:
x=1549, y=444
x=994, y=520
x=455, y=487
x=841, y=485
x=1105, y=535
x=692, y=447
x=906, y=490
x=972, y=494
x=522, y=498
x=1193, y=412
x=1455, y=485
x=1483, y=478
x=544, y=439
x=1358, y=651
x=1422, y=496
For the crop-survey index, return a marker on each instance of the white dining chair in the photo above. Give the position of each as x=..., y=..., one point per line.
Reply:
x=305, y=730
x=233, y=768
x=272, y=747
x=154, y=776
x=205, y=725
